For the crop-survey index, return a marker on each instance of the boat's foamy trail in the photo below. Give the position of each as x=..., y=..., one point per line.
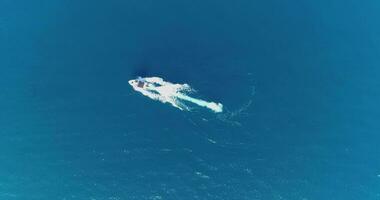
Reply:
x=166, y=92
x=216, y=107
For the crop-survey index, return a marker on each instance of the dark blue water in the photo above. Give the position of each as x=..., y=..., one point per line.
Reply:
x=72, y=128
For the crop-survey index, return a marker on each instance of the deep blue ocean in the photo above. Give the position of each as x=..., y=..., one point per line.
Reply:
x=71, y=127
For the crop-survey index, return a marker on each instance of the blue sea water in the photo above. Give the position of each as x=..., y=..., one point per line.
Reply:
x=72, y=128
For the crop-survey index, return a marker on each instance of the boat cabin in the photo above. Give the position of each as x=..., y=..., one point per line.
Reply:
x=140, y=84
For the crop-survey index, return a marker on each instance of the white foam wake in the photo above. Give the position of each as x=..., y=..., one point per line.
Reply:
x=175, y=94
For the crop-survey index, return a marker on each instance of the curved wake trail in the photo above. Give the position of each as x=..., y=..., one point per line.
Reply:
x=175, y=94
